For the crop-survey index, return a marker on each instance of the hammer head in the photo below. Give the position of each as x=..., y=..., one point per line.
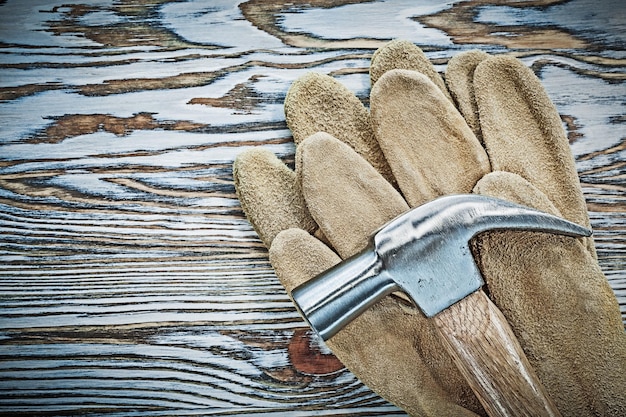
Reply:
x=425, y=253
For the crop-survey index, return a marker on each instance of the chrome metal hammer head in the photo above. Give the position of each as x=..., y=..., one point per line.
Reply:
x=425, y=253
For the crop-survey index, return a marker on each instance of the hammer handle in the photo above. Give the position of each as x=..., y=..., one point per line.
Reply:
x=486, y=351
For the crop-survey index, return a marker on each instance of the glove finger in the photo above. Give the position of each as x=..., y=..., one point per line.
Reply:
x=559, y=305
x=345, y=195
x=269, y=194
x=523, y=134
x=296, y=256
x=383, y=336
x=460, y=82
x=430, y=148
x=319, y=103
x=402, y=54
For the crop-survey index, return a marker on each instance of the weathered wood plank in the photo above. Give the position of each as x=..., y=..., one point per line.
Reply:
x=129, y=278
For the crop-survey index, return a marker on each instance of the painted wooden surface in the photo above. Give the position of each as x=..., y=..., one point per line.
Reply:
x=129, y=279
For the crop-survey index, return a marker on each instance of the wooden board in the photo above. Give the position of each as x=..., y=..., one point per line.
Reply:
x=130, y=280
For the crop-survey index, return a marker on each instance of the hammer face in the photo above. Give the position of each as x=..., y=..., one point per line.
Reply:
x=333, y=299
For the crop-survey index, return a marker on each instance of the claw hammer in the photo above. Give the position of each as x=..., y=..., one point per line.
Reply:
x=425, y=253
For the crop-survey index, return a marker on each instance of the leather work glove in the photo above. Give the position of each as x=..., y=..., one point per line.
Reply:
x=356, y=170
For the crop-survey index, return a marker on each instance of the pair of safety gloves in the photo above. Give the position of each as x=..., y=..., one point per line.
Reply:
x=489, y=129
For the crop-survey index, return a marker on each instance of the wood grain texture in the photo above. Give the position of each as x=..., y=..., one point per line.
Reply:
x=486, y=351
x=130, y=281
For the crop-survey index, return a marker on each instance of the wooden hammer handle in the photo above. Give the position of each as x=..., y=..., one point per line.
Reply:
x=489, y=356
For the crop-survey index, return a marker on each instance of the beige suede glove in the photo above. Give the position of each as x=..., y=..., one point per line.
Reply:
x=413, y=147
